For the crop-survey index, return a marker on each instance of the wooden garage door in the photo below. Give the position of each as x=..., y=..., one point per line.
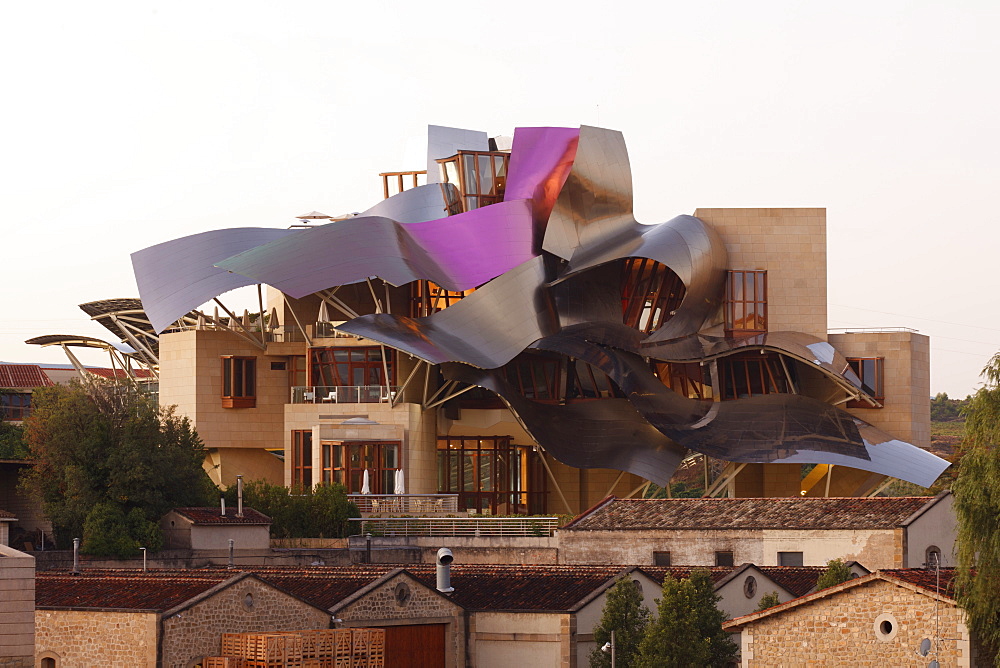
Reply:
x=415, y=646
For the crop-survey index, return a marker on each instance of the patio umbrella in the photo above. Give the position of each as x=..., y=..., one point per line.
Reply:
x=323, y=315
x=365, y=489
x=400, y=487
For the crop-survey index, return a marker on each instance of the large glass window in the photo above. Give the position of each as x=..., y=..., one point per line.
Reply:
x=345, y=462
x=302, y=458
x=746, y=302
x=490, y=474
x=481, y=176
x=355, y=366
x=427, y=297
x=651, y=292
x=239, y=382
x=751, y=375
x=14, y=407
x=871, y=372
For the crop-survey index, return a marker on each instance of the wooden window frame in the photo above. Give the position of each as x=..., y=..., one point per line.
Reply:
x=472, y=193
x=302, y=443
x=752, y=303
x=15, y=406
x=651, y=293
x=335, y=464
x=857, y=366
x=723, y=556
x=785, y=557
x=239, y=388
x=661, y=558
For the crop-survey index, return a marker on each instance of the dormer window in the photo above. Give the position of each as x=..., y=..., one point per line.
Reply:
x=481, y=176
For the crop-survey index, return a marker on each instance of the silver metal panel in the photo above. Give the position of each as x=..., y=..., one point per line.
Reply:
x=486, y=329
x=444, y=142
x=177, y=276
x=457, y=252
x=415, y=205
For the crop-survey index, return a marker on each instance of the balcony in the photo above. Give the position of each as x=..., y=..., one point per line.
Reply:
x=405, y=504
x=344, y=394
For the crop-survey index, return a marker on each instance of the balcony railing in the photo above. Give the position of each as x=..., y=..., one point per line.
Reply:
x=344, y=394
x=458, y=526
x=406, y=504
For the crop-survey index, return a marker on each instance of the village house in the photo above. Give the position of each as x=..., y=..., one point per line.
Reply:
x=887, y=618
x=877, y=532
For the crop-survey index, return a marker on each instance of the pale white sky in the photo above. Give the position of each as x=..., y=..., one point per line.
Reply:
x=126, y=124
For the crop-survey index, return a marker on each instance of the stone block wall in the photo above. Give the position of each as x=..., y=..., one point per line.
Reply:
x=389, y=605
x=17, y=606
x=847, y=629
x=96, y=638
x=197, y=631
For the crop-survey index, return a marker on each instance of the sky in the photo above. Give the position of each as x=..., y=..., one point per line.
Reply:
x=128, y=124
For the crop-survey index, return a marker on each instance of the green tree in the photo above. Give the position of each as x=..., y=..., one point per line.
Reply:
x=977, y=506
x=626, y=615
x=688, y=627
x=836, y=572
x=768, y=600
x=301, y=512
x=104, y=444
x=12, y=444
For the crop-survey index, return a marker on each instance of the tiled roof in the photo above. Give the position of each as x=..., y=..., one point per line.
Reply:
x=768, y=513
x=111, y=374
x=127, y=590
x=926, y=579
x=796, y=580
x=477, y=586
x=4, y=515
x=659, y=573
x=213, y=515
x=23, y=376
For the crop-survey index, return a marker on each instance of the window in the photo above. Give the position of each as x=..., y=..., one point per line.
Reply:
x=14, y=407
x=345, y=463
x=302, y=458
x=751, y=375
x=239, y=382
x=789, y=558
x=724, y=558
x=277, y=366
x=491, y=474
x=427, y=297
x=481, y=176
x=871, y=372
x=651, y=292
x=661, y=558
x=745, y=303
x=932, y=557
x=360, y=366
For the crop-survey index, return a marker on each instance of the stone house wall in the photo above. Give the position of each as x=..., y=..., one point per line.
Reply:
x=96, y=637
x=388, y=605
x=523, y=639
x=197, y=631
x=875, y=548
x=847, y=629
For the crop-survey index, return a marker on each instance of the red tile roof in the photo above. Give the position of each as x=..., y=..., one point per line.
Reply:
x=796, y=580
x=23, y=376
x=130, y=590
x=767, y=513
x=926, y=579
x=4, y=515
x=213, y=515
x=659, y=573
x=111, y=374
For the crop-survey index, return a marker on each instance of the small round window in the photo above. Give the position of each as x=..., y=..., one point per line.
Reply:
x=248, y=601
x=750, y=586
x=886, y=627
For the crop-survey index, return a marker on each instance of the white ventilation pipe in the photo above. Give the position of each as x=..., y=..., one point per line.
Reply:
x=444, y=559
x=222, y=502
x=76, y=555
x=239, y=496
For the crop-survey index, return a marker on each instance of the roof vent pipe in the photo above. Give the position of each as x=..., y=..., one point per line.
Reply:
x=444, y=559
x=232, y=545
x=76, y=555
x=239, y=496
x=222, y=502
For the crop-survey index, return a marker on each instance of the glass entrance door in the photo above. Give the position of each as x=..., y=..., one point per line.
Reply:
x=345, y=462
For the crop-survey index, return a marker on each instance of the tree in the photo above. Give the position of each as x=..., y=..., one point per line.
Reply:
x=977, y=506
x=688, y=627
x=768, y=600
x=836, y=572
x=301, y=512
x=101, y=451
x=626, y=615
x=12, y=445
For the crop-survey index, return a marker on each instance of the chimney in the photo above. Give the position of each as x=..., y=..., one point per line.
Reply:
x=222, y=501
x=239, y=496
x=232, y=545
x=444, y=559
x=76, y=555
